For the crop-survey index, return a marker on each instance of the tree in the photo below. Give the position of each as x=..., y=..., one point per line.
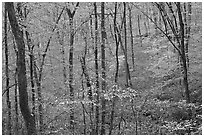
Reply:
x=96, y=68
x=183, y=53
x=7, y=72
x=22, y=80
x=16, y=127
x=103, y=66
x=131, y=35
x=71, y=56
x=117, y=67
x=128, y=78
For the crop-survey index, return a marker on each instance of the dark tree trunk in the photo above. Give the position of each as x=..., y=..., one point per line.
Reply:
x=116, y=73
x=71, y=88
x=128, y=79
x=71, y=57
x=22, y=80
x=103, y=65
x=7, y=73
x=139, y=29
x=30, y=48
x=183, y=56
x=131, y=36
x=116, y=44
x=96, y=69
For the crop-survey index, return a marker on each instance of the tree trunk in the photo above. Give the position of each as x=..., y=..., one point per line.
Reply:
x=139, y=29
x=70, y=71
x=96, y=69
x=22, y=80
x=116, y=73
x=16, y=128
x=128, y=81
x=7, y=73
x=187, y=20
x=30, y=48
x=116, y=44
x=103, y=65
x=131, y=36
x=71, y=89
x=16, y=104
x=183, y=56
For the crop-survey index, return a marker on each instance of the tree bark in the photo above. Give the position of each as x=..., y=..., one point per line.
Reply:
x=7, y=72
x=116, y=71
x=16, y=91
x=70, y=71
x=22, y=80
x=128, y=79
x=131, y=36
x=96, y=69
x=183, y=56
x=103, y=65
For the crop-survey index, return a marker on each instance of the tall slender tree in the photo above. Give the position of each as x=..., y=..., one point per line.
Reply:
x=103, y=66
x=131, y=36
x=117, y=67
x=71, y=56
x=128, y=78
x=16, y=127
x=7, y=72
x=96, y=68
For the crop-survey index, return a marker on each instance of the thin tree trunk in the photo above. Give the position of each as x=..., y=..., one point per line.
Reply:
x=116, y=73
x=84, y=114
x=71, y=57
x=116, y=43
x=96, y=69
x=16, y=128
x=103, y=65
x=128, y=80
x=71, y=88
x=188, y=30
x=131, y=36
x=7, y=73
x=22, y=80
x=16, y=104
x=139, y=29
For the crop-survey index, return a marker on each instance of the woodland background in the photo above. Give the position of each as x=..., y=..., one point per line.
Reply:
x=102, y=68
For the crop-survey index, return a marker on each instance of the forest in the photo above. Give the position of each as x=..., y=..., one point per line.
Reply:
x=101, y=68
